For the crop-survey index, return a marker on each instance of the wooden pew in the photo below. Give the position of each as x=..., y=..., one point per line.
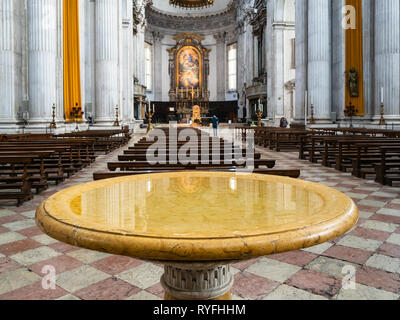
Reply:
x=340, y=151
x=67, y=160
x=134, y=161
x=21, y=182
x=136, y=165
x=289, y=139
x=368, y=155
x=199, y=156
x=388, y=172
x=104, y=140
x=36, y=176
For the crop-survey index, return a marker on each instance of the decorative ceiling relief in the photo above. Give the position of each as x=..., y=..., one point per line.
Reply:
x=191, y=4
x=207, y=24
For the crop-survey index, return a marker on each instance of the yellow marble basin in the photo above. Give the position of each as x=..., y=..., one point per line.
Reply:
x=197, y=216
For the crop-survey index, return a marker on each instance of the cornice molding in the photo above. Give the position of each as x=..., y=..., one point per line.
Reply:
x=230, y=6
x=209, y=24
x=283, y=24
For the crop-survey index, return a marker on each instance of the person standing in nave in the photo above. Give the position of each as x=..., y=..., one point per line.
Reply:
x=215, y=123
x=284, y=123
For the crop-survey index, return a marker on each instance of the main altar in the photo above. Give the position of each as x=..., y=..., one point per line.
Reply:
x=189, y=70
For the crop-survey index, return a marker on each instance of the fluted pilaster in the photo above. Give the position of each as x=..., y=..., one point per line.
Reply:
x=59, y=65
x=301, y=58
x=7, y=62
x=157, y=62
x=82, y=48
x=387, y=56
x=248, y=64
x=319, y=57
x=140, y=55
x=368, y=55
x=270, y=60
x=42, y=50
x=241, y=71
x=338, y=59
x=279, y=83
x=221, y=65
x=107, y=27
x=127, y=68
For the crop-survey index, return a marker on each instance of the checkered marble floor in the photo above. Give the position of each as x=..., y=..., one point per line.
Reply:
x=371, y=249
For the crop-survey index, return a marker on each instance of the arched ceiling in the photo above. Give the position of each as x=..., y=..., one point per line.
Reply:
x=164, y=7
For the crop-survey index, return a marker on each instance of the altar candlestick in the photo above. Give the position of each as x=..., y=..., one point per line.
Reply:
x=382, y=95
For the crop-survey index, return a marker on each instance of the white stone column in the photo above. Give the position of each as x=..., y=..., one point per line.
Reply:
x=249, y=55
x=240, y=70
x=247, y=52
x=60, y=63
x=82, y=47
x=368, y=56
x=301, y=59
x=157, y=65
x=270, y=58
x=387, y=57
x=10, y=64
x=221, y=65
x=127, y=67
x=140, y=63
x=90, y=57
x=42, y=47
x=338, y=57
x=319, y=58
x=107, y=30
x=279, y=80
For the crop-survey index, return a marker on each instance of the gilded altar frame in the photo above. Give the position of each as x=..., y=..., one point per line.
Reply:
x=177, y=66
x=184, y=40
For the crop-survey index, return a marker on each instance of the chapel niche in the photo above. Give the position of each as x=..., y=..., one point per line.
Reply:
x=189, y=70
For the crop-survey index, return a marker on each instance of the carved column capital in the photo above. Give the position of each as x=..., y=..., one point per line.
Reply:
x=157, y=36
x=220, y=36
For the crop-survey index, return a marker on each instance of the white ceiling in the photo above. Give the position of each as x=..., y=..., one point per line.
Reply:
x=165, y=7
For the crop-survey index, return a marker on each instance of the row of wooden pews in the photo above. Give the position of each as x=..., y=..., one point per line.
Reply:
x=104, y=140
x=278, y=139
x=365, y=153
x=30, y=162
x=211, y=156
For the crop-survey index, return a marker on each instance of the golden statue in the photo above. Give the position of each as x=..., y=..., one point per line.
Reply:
x=196, y=117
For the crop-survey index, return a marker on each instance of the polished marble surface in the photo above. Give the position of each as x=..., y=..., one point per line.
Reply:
x=197, y=215
x=254, y=279
x=203, y=206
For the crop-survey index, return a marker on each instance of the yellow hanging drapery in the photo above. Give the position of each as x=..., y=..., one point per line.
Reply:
x=354, y=56
x=72, y=74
